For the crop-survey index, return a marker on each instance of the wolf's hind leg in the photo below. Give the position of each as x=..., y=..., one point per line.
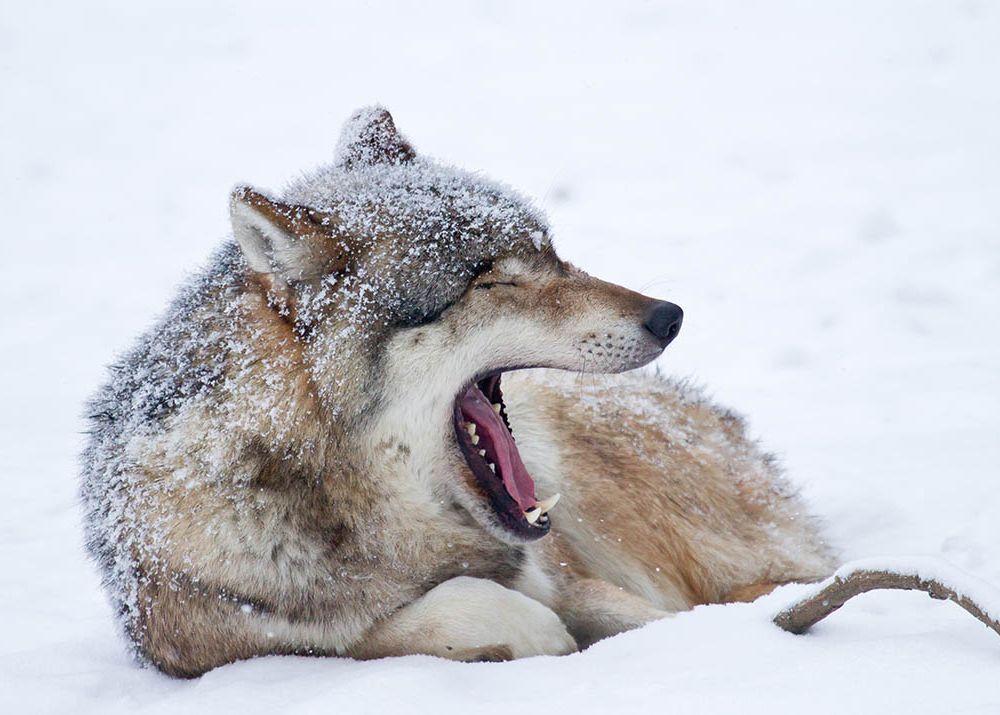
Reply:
x=468, y=619
x=594, y=609
x=750, y=593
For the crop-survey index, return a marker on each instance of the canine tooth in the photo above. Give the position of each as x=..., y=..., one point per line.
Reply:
x=493, y=468
x=482, y=453
x=475, y=439
x=547, y=504
x=470, y=427
x=532, y=514
x=496, y=407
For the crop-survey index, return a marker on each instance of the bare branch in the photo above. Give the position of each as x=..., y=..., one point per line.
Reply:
x=801, y=616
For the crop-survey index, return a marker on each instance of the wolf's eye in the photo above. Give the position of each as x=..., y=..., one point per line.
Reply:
x=493, y=284
x=415, y=319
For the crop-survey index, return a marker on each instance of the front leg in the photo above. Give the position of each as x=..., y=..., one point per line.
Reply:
x=468, y=619
x=593, y=609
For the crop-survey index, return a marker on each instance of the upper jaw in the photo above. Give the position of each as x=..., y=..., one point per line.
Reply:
x=616, y=352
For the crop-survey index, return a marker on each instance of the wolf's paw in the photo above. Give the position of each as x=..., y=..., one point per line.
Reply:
x=489, y=654
x=469, y=616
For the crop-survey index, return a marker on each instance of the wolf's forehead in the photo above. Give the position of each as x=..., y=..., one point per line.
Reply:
x=422, y=202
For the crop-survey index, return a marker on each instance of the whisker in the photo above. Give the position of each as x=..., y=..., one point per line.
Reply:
x=662, y=281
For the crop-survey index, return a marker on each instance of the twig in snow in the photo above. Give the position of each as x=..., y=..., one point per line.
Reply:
x=848, y=583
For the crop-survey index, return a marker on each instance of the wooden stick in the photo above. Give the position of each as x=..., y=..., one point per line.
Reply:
x=801, y=616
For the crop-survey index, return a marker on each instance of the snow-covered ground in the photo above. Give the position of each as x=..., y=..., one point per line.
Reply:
x=817, y=184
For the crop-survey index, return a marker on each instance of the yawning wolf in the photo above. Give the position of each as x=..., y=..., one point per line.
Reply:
x=348, y=435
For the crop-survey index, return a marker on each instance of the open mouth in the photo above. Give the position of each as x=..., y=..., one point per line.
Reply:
x=485, y=438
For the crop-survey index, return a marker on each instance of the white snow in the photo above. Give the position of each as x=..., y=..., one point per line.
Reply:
x=817, y=184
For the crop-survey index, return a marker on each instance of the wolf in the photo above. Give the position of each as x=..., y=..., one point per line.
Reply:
x=348, y=434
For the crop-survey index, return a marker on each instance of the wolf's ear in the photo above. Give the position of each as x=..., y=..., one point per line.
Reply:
x=288, y=241
x=369, y=137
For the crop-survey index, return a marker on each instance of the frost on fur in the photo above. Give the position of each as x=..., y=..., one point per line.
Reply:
x=282, y=461
x=370, y=137
x=202, y=362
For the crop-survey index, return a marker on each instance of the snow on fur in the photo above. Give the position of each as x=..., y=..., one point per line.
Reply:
x=456, y=223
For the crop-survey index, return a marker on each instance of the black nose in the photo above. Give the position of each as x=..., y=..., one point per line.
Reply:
x=664, y=320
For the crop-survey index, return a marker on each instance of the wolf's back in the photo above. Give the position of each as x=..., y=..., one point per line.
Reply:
x=177, y=360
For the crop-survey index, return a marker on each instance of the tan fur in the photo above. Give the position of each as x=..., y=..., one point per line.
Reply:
x=321, y=506
x=748, y=594
x=662, y=509
x=664, y=497
x=676, y=491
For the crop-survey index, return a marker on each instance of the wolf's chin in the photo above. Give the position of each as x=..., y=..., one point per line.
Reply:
x=498, y=474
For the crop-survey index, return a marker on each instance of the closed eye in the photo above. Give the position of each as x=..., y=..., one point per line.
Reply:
x=494, y=284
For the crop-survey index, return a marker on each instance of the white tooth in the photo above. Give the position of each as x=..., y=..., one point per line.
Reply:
x=475, y=439
x=471, y=428
x=493, y=468
x=482, y=453
x=547, y=504
x=532, y=514
x=496, y=407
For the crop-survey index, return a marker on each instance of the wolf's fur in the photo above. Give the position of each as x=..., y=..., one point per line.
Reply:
x=273, y=468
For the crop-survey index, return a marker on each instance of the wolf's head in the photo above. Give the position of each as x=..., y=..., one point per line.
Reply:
x=412, y=288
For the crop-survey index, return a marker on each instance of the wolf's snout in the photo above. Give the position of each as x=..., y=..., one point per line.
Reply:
x=664, y=320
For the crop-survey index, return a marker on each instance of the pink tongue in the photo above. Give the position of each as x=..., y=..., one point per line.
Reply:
x=496, y=440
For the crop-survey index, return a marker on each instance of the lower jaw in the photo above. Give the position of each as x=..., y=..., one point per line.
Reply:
x=503, y=513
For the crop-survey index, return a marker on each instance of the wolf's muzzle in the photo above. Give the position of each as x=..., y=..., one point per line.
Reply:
x=664, y=320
